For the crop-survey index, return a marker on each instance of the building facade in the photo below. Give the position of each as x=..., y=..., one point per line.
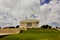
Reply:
x=29, y=23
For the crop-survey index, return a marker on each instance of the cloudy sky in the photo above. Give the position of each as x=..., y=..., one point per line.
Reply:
x=46, y=11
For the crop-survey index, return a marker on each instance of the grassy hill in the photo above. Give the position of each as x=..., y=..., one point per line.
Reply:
x=35, y=34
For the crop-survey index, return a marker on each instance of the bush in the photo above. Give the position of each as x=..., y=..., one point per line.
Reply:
x=21, y=31
x=46, y=26
x=17, y=26
x=0, y=27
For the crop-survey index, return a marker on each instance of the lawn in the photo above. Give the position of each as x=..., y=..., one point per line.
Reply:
x=35, y=34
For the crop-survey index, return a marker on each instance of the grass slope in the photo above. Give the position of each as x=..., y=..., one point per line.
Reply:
x=35, y=34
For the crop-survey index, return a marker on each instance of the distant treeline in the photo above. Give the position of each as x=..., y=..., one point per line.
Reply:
x=43, y=26
x=48, y=26
x=11, y=27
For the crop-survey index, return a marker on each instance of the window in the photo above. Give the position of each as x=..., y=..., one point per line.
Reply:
x=29, y=24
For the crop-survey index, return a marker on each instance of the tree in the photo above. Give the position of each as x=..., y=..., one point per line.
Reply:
x=17, y=26
x=50, y=27
x=46, y=26
x=0, y=27
x=56, y=27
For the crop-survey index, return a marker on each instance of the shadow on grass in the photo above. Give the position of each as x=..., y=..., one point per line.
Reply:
x=3, y=36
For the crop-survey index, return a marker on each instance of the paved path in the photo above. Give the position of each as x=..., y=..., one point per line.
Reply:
x=5, y=34
x=58, y=29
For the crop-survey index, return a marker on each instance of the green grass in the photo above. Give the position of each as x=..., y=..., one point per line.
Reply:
x=35, y=34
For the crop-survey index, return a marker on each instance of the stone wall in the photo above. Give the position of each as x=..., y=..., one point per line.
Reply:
x=10, y=31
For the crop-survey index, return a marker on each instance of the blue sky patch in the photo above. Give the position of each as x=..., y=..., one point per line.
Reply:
x=34, y=16
x=55, y=24
x=42, y=2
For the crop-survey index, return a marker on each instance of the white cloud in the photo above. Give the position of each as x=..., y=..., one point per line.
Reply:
x=50, y=13
x=16, y=10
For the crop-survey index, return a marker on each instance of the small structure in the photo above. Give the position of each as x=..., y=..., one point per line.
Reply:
x=9, y=31
x=28, y=23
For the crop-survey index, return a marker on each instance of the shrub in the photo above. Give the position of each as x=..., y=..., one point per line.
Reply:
x=17, y=26
x=46, y=26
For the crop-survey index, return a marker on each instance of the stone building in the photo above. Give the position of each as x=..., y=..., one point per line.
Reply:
x=28, y=23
